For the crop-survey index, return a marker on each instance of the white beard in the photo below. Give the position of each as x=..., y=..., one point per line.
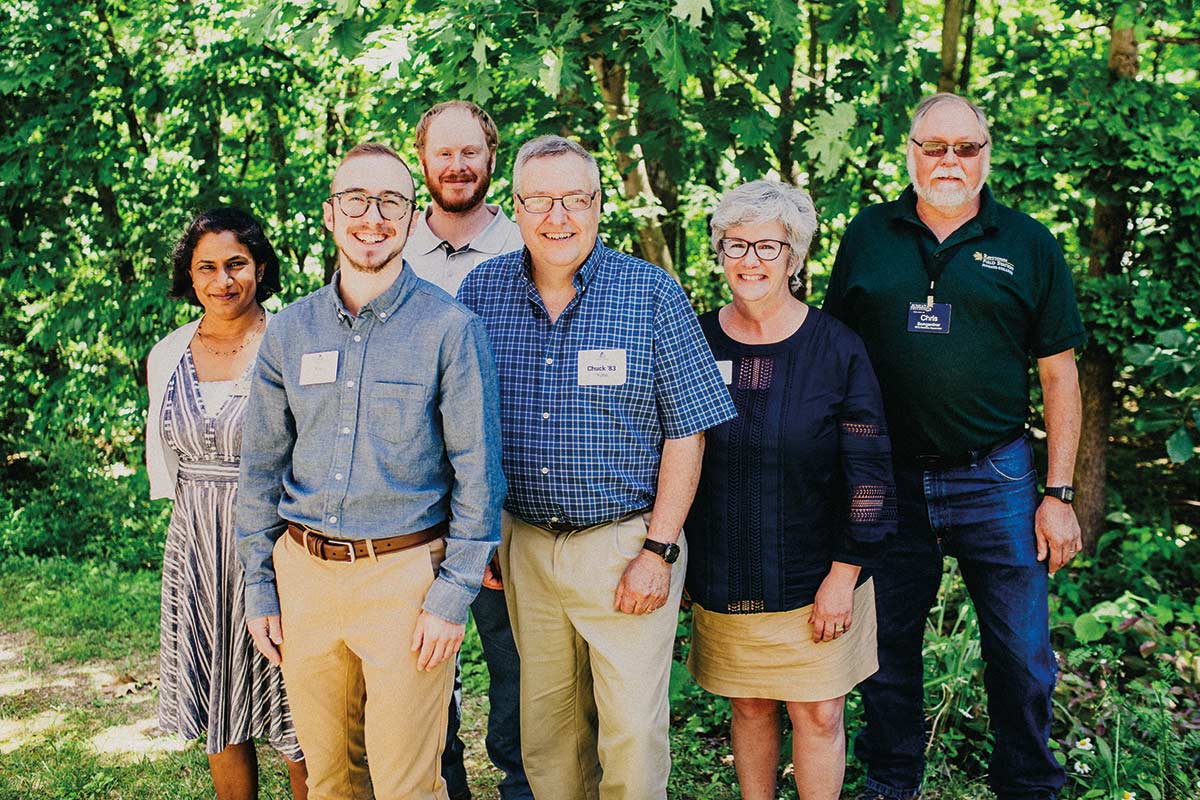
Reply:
x=947, y=196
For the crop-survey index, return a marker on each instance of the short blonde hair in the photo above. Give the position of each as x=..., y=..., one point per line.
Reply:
x=764, y=201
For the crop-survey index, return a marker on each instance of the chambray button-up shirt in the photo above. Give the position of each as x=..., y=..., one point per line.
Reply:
x=399, y=434
x=580, y=453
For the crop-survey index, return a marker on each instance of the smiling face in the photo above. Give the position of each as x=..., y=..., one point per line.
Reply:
x=224, y=275
x=456, y=162
x=558, y=240
x=948, y=182
x=369, y=243
x=750, y=278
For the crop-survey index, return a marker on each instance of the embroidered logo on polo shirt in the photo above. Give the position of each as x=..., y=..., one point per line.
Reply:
x=995, y=262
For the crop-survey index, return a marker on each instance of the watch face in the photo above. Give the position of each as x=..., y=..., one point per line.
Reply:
x=672, y=554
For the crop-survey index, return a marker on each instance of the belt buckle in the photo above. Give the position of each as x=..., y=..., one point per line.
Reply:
x=347, y=543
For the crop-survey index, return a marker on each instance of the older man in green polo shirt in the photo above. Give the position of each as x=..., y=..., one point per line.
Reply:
x=955, y=295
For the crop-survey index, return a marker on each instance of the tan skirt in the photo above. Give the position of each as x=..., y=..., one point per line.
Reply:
x=771, y=655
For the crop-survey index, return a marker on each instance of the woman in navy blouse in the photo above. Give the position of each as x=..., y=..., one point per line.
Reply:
x=795, y=498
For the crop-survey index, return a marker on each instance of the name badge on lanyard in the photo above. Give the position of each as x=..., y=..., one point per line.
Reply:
x=928, y=317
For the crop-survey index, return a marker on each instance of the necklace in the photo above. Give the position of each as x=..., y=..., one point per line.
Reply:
x=258, y=329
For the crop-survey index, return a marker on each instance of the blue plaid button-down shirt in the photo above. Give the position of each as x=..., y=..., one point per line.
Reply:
x=584, y=454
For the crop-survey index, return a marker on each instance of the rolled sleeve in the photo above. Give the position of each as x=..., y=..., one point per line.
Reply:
x=268, y=437
x=688, y=387
x=470, y=409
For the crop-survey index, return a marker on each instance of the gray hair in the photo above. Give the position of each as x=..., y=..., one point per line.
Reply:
x=546, y=147
x=763, y=201
x=934, y=100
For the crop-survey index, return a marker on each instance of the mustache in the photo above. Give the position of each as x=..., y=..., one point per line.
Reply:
x=949, y=172
x=460, y=175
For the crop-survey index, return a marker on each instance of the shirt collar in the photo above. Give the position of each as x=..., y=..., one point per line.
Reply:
x=905, y=208
x=384, y=306
x=490, y=240
x=583, y=275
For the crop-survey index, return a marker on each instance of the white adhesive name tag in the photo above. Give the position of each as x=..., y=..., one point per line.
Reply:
x=726, y=368
x=601, y=367
x=318, y=367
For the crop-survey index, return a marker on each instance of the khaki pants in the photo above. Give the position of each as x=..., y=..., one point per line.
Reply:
x=594, y=681
x=351, y=678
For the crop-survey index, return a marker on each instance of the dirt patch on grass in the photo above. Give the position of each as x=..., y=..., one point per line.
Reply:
x=35, y=700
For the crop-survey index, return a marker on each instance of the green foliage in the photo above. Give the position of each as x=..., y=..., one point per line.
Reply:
x=63, y=503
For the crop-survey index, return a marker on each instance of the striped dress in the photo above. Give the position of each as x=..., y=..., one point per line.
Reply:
x=213, y=682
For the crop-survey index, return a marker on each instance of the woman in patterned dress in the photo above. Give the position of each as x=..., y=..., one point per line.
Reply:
x=213, y=682
x=795, y=498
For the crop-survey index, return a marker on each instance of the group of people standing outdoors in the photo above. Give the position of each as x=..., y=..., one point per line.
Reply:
x=509, y=419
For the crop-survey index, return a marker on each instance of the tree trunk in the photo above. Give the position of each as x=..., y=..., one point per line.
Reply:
x=952, y=17
x=964, y=75
x=1097, y=368
x=611, y=80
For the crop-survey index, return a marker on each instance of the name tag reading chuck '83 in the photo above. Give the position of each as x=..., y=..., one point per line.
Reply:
x=933, y=318
x=601, y=368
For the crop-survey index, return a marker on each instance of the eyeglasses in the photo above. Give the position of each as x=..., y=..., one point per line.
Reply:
x=936, y=149
x=541, y=203
x=765, y=249
x=391, y=205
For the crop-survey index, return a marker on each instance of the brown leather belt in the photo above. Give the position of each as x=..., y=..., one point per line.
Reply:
x=327, y=548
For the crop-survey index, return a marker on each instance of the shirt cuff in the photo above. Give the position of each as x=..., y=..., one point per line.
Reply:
x=868, y=555
x=448, y=601
x=262, y=599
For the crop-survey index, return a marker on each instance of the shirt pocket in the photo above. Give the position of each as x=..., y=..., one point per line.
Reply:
x=397, y=411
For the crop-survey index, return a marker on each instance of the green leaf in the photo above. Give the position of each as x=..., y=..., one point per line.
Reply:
x=829, y=144
x=550, y=75
x=692, y=11
x=1179, y=446
x=1139, y=355
x=1089, y=629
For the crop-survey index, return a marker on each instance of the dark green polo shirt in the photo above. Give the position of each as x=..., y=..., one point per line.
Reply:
x=1011, y=299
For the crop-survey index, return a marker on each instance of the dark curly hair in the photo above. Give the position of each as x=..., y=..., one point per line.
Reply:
x=248, y=232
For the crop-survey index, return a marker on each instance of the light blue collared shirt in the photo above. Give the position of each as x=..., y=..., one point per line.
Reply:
x=401, y=433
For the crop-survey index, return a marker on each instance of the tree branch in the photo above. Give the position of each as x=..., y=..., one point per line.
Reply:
x=1156, y=37
x=131, y=120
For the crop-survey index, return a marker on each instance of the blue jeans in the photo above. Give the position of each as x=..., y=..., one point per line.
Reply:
x=982, y=514
x=504, y=693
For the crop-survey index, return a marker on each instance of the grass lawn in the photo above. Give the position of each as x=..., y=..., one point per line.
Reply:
x=78, y=688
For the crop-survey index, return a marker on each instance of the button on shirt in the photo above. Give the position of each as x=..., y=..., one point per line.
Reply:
x=398, y=435
x=576, y=451
x=438, y=262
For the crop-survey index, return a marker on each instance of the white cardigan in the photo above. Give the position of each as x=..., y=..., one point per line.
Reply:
x=162, y=464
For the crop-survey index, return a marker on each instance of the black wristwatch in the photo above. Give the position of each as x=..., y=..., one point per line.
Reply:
x=669, y=552
x=1063, y=493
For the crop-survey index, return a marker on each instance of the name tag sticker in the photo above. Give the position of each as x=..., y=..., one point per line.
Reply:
x=726, y=368
x=601, y=368
x=924, y=318
x=318, y=368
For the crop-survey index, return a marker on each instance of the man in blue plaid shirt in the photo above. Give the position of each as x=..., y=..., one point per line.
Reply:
x=607, y=387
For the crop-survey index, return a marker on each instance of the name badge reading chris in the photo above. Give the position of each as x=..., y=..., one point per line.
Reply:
x=601, y=367
x=928, y=318
x=726, y=368
x=318, y=367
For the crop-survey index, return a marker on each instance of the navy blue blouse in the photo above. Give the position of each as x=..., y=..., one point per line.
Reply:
x=800, y=479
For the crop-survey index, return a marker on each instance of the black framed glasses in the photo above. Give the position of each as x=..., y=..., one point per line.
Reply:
x=935, y=149
x=353, y=203
x=765, y=249
x=542, y=203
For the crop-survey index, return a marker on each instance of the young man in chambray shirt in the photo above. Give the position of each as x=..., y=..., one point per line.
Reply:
x=369, y=497
x=608, y=387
